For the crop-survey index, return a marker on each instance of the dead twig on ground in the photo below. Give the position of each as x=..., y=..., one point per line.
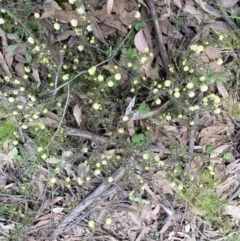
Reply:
x=162, y=48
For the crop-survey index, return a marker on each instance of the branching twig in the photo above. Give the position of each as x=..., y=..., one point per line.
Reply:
x=103, y=62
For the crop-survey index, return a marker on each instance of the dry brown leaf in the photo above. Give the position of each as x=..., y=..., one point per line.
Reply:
x=192, y=10
x=222, y=90
x=178, y=3
x=234, y=211
x=206, y=7
x=51, y=6
x=109, y=6
x=19, y=69
x=221, y=27
x=40, y=186
x=49, y=122
x=220, y=150
x=212, y=52
x=96, y=30
x=36, y=77
x=160, y=181
x=65, y=35
x=215, y=129
x=77, y=113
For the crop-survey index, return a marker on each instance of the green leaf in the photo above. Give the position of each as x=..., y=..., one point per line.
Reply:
x=143, y=109
x=27, y=9
x=209, y=150
x=138, y=139
x=138, y=26
x=28, y=57
x=3, y=209
x=11, y=48
x=33, y=86
x=227, y=156
x=32, y=25
x=131, y=53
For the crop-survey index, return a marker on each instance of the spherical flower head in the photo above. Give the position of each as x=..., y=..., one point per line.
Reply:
x=200, y=48
x=108, y=221
x=44, y=156
x=158, y=101
x=110, y=179
x=120, y=130
x=31, y=40
x=219, y=61
x=190, y=85
x=110, y=83
x=125, y=118
x=74, y=23
x=2, y=21
x=97, y=172
x=80, y=10
x=217, y=100
x=100, y=78
x=92, y=70
x=186, y=68
x=53, y=180
x=80, y=47
x=65, y=77
x=89, y=28
x=11, y=99
x=71, y=1
x=203, y=88
x=117, y=76
x=167, y=83
x=184, y=62
x=36, y=15
x=168, y=117
x=191, y=94
x=56, y=26
x=202, y=78
x=129, y=65
x=146, y=156
x=221, y=37
x=193, y=47
x=176, y=94
x=155, y=91
x=96, y=106
x=91, y=224
x=35, y=116
x=217, y=111
x=40, y=149
x=137, y=15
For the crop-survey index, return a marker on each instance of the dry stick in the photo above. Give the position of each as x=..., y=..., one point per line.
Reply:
x=58, y=72
x=66, y=223
x=162, y=48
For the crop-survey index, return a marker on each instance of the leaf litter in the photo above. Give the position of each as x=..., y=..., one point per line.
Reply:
x=137, y=218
